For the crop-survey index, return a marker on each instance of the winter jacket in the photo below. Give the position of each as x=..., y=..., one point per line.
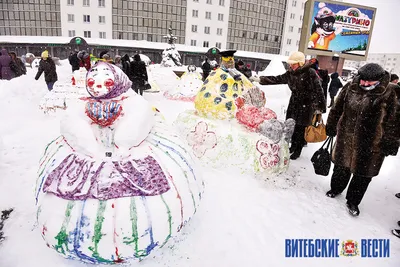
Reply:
x=138, y=73
x=365, y=125
x=74, y=61
x=17, y=67
x=335, y=85
x=85, y=63
x=206, y=67
x=5, y=70
x=307, y=96
x=125, y=61
x=49, y=68
x=324, y=76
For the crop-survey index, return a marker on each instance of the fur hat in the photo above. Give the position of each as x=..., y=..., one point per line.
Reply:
x=297, y=57
x=393, y=77
x=371, y=72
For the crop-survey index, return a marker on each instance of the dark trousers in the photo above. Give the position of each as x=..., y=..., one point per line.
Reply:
x=332, y=100
x=50, y=85
x=298, y=141
x=357, y=188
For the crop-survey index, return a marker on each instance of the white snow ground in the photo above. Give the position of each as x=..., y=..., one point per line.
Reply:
x=242, y=221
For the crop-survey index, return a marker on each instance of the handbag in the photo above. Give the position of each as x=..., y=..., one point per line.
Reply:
x=316, y=131
x=322, y=158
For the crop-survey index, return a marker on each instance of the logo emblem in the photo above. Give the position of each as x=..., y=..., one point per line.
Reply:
x=349, y=248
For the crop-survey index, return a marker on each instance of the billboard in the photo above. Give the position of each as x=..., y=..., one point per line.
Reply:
x=336, y=28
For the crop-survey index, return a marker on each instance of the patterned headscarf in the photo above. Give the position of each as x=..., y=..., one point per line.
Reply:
x=121, y=82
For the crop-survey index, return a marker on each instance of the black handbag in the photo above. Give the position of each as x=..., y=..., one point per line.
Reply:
x=322, y=158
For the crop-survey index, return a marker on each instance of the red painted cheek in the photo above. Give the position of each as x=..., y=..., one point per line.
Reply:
x=90, y=82
x=109, y=83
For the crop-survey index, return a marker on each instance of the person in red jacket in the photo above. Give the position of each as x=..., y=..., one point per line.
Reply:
x=84, y=60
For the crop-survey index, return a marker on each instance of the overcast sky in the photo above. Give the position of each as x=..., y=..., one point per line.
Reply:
x=385, y=36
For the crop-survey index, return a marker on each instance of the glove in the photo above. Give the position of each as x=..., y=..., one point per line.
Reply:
x=390, y=148
x=330, y=131
x=254, y=79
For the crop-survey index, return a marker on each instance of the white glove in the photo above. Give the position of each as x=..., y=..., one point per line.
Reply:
x=254, y=79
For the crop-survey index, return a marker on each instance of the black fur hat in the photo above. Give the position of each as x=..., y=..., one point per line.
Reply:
x=393, y=77
x=371, y=72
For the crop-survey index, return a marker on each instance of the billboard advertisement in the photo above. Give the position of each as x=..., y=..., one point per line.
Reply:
x=337, y=28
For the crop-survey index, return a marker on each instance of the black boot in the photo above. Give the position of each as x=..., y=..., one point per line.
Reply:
x=331, y=194
x=296, y=154
x=353, y=209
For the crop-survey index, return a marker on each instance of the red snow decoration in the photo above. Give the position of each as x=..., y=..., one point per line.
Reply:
x=103, y=113
x=73, y=81
x=252, y=117
x=269, y=154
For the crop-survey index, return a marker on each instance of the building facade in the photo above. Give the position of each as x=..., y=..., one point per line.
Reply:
x=32, y=18
x=293, y=26
x=247, y=25
x=256, y=25
x=390, y=62
x=86, y=18
x=207, y=23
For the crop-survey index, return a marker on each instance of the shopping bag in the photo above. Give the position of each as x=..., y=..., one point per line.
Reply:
x=316, y=131
x=322, y=158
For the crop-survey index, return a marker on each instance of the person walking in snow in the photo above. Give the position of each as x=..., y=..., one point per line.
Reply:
x=206, y=67
x=5, y=69
x=363, y=119
x=126, y=65
x=138, y=74
x=16, y=65
x=307, y=97
x=334, y=87
x=47, y=66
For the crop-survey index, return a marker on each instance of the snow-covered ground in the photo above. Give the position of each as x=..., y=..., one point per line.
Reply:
x=242, y=221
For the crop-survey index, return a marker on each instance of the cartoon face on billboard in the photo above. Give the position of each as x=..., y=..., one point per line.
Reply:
x=340, y=28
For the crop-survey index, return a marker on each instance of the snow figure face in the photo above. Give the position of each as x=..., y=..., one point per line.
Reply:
x=228, y=62
x=106, y=81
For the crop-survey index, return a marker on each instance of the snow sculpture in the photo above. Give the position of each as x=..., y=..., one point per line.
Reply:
x=232, y=127
x=118, y=182
x=155, y=88
x=64, y=93
x=171, y=56
x=189, y=84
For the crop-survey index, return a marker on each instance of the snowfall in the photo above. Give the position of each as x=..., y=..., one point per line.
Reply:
x=242, y=220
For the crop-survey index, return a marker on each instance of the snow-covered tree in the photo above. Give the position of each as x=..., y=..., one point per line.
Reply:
x=171, y=56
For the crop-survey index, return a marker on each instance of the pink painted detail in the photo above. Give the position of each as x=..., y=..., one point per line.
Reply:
x=179, y=97
x=252, y=117
x=201, y=139
x=269, y=154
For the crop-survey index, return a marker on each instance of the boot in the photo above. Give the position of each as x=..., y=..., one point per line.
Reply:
x=331, y=194
x=353, y=209
x=296, y=153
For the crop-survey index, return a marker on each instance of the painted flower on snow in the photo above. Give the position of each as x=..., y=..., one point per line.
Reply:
x=201, y=139
x=269, y=154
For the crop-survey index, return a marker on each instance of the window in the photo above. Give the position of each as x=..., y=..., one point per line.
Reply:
x=297, y=43
x=218, y=45
x=71, y=18
x=205, y=44
x=208, y=15
x=299, y=31
x=86, y=2
x=221, y=2
x=196, y=1
x=209, y=2
x=195, y=13
x=102, y=35
x=292, y=15
x=194, y=28
x=244, y=34
x=207, y=30
x=86, y=18
x=220, y=17
x=102, y=19
x=71, y=33
x=70, y=2
x=290, y=28
x=102, y=3
x=255, y=35
x=301, y=18
x=219, y=31
x=287, y=53
x=193, y=42
x=87, y=34
x=294, y=3
x=289, y=41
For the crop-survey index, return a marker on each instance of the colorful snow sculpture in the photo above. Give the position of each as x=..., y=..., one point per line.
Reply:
x=64, y=93
x=188, y=86
x=118, y=182
x=232, y=127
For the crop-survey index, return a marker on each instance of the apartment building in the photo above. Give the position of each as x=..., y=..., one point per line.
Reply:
x=390, y=62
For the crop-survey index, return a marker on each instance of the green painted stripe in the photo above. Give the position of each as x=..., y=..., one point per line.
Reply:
x=62, y=237
x=169, y=222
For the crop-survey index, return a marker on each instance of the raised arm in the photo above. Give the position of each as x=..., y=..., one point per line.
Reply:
x=271, y=80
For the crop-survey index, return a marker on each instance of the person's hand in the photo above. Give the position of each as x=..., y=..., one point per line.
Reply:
x=254, y=79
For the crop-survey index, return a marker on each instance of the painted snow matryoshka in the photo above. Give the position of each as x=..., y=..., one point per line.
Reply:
x=118, y=182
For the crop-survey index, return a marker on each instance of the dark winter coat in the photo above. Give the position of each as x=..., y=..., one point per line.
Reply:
x=307, y=96
x=125, y=61
x=49, y=68
x=74, y=61
x=206, y=67
x=244, y=70
x=5, y=70
x=138, y=74
x=324, y=76
x=365, y=124
x=85, y=63
x=335, y=85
